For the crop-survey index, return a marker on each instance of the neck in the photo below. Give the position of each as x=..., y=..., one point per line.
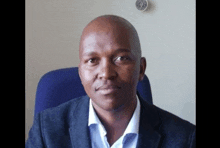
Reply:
x=116, y=121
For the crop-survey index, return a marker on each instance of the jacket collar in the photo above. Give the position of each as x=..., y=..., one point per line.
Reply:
x=79, y=131
x=149, y=120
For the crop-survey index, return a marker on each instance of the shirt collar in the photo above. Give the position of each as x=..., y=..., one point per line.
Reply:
x=94, y=120
x=133, y=125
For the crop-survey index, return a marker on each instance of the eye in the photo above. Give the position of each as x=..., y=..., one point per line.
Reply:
x=92, y=61
x=122, y=58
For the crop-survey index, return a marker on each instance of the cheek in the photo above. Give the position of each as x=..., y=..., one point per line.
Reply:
x=129, y=74
x=87, y=80
x=85, y=74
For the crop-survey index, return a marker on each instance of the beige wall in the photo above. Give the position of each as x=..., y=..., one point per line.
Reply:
x=167, y=35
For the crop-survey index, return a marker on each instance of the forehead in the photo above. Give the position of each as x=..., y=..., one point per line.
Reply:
x=108, y=36
x=108, y=42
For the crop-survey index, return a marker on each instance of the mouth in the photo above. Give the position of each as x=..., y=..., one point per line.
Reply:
x=107, y=89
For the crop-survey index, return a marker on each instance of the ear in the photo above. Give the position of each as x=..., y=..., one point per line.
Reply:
x=143, y=65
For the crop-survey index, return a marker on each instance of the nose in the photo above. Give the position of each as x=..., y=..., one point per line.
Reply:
x=107, y=70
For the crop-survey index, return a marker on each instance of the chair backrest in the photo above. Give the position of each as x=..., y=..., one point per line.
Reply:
x=62, y=85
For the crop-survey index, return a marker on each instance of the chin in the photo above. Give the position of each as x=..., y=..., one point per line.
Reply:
x=110, y=103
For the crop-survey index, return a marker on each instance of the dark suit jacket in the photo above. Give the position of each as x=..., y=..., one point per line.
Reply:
x=66, y=126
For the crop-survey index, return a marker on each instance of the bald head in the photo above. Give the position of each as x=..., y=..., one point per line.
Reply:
x=110, y=63
x=116, y=25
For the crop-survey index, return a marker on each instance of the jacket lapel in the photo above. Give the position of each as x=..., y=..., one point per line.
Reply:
x=149, y=121
x=79, y=131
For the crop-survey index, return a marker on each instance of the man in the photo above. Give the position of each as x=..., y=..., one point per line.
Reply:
x=113, y=114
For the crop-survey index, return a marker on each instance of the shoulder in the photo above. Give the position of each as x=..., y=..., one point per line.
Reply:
x=51, y=126
x=158, y=116
x=171, y=121
x=173, y=128
x=63, y=112
x=174, y=131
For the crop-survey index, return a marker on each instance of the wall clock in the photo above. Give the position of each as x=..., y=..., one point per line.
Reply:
x=141, y=5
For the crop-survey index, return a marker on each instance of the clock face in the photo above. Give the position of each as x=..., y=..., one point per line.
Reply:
x=141, y=5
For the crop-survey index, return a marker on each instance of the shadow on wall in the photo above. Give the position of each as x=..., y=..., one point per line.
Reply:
x=188, y=109
x=151, y=7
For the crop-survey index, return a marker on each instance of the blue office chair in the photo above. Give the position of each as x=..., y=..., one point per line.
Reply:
x=62, y=85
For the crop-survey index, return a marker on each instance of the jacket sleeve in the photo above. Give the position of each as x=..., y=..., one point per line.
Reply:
x=193, y=139
x=35, y=139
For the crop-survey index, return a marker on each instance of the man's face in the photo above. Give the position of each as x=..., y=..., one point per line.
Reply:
x=109, y=68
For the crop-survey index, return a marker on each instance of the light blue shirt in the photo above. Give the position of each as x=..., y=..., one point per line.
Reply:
x=98, y=132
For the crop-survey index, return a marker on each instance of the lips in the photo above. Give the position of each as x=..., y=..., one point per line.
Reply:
x=107, y=89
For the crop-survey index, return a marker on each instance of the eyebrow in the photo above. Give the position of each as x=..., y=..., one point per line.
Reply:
x=120, y=50
x=89, y=53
